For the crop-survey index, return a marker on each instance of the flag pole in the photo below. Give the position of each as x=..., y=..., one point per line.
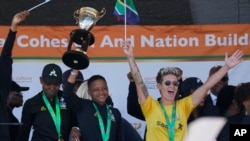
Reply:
x=125, y=20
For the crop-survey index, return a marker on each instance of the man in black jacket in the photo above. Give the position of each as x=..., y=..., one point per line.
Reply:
x=15, y=100
x=47, y=112
x=210, y=108
x=6, y=73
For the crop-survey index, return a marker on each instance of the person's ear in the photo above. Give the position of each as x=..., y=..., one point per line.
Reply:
x=159, y=86
x=41, y=80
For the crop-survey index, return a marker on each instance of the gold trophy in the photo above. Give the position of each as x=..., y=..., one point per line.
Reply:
x=86, y=18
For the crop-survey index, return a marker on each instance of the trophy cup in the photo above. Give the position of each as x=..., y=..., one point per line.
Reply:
x=86, y=18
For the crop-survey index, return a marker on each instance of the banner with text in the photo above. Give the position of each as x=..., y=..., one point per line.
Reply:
x=187, y=42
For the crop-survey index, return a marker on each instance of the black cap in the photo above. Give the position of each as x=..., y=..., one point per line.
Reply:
x=66, y=74
x=191, y=83
x=52, y=73
x=17, y=88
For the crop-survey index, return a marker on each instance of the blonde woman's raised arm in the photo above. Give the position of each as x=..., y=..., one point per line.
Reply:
x=141, y=88
x=230, y=62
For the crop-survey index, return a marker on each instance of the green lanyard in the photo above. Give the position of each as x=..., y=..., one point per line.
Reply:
x=170, y=124
x=56, y=117
x=105, y=136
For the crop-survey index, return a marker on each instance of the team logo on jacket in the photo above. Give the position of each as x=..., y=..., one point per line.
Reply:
x=43, y=108
x=62, y=103
x=112, y=115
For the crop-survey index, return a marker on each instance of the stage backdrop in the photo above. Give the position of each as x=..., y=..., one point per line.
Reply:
x=193, y=48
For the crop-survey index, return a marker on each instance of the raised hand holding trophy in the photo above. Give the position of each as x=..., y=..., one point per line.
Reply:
x=86, y=18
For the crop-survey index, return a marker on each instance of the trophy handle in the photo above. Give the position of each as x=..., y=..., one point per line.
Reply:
x=76, y=16
x=101, y=14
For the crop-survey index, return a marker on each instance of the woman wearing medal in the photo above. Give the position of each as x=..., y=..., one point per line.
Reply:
x=47, y=112
x=97, y=121
x=166, y=119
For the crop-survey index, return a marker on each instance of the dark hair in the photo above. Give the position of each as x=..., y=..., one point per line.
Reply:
x=109, y=101
x=95, y=77
x=214, y=69
x=225, y=98
x=189, y=85
x=242, y=93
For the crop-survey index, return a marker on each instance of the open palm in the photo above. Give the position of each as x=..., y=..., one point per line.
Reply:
x=234, y=59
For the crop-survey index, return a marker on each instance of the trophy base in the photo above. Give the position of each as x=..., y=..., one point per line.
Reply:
x=79, y=36
x=75, y=60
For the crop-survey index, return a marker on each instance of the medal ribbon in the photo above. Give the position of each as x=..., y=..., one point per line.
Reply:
x=56, y=117
x=105, y=136
x=170, y=124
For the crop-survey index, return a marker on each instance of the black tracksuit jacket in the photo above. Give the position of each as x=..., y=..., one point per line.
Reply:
x=5, y=82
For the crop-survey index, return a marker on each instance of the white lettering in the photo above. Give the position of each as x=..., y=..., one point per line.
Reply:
x=106, y=42
x=244, y=40
x=210, y=40
x=34, y=42
x=21, y=41
x=230, y=40
x=24, y=41
x=240, y=132
x=183, y=42
x=55, y=42
x=169, y=41
x=147, y=41
x=117, y=41
x=64, y=43
x=44, y=42
x=159, y=42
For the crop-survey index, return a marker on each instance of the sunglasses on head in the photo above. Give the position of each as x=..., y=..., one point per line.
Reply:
x=168, y=83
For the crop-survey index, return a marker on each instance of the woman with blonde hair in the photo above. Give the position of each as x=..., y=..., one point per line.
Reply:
x=166, y=119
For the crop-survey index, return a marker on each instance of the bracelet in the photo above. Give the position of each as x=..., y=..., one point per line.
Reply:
x=74, y=73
